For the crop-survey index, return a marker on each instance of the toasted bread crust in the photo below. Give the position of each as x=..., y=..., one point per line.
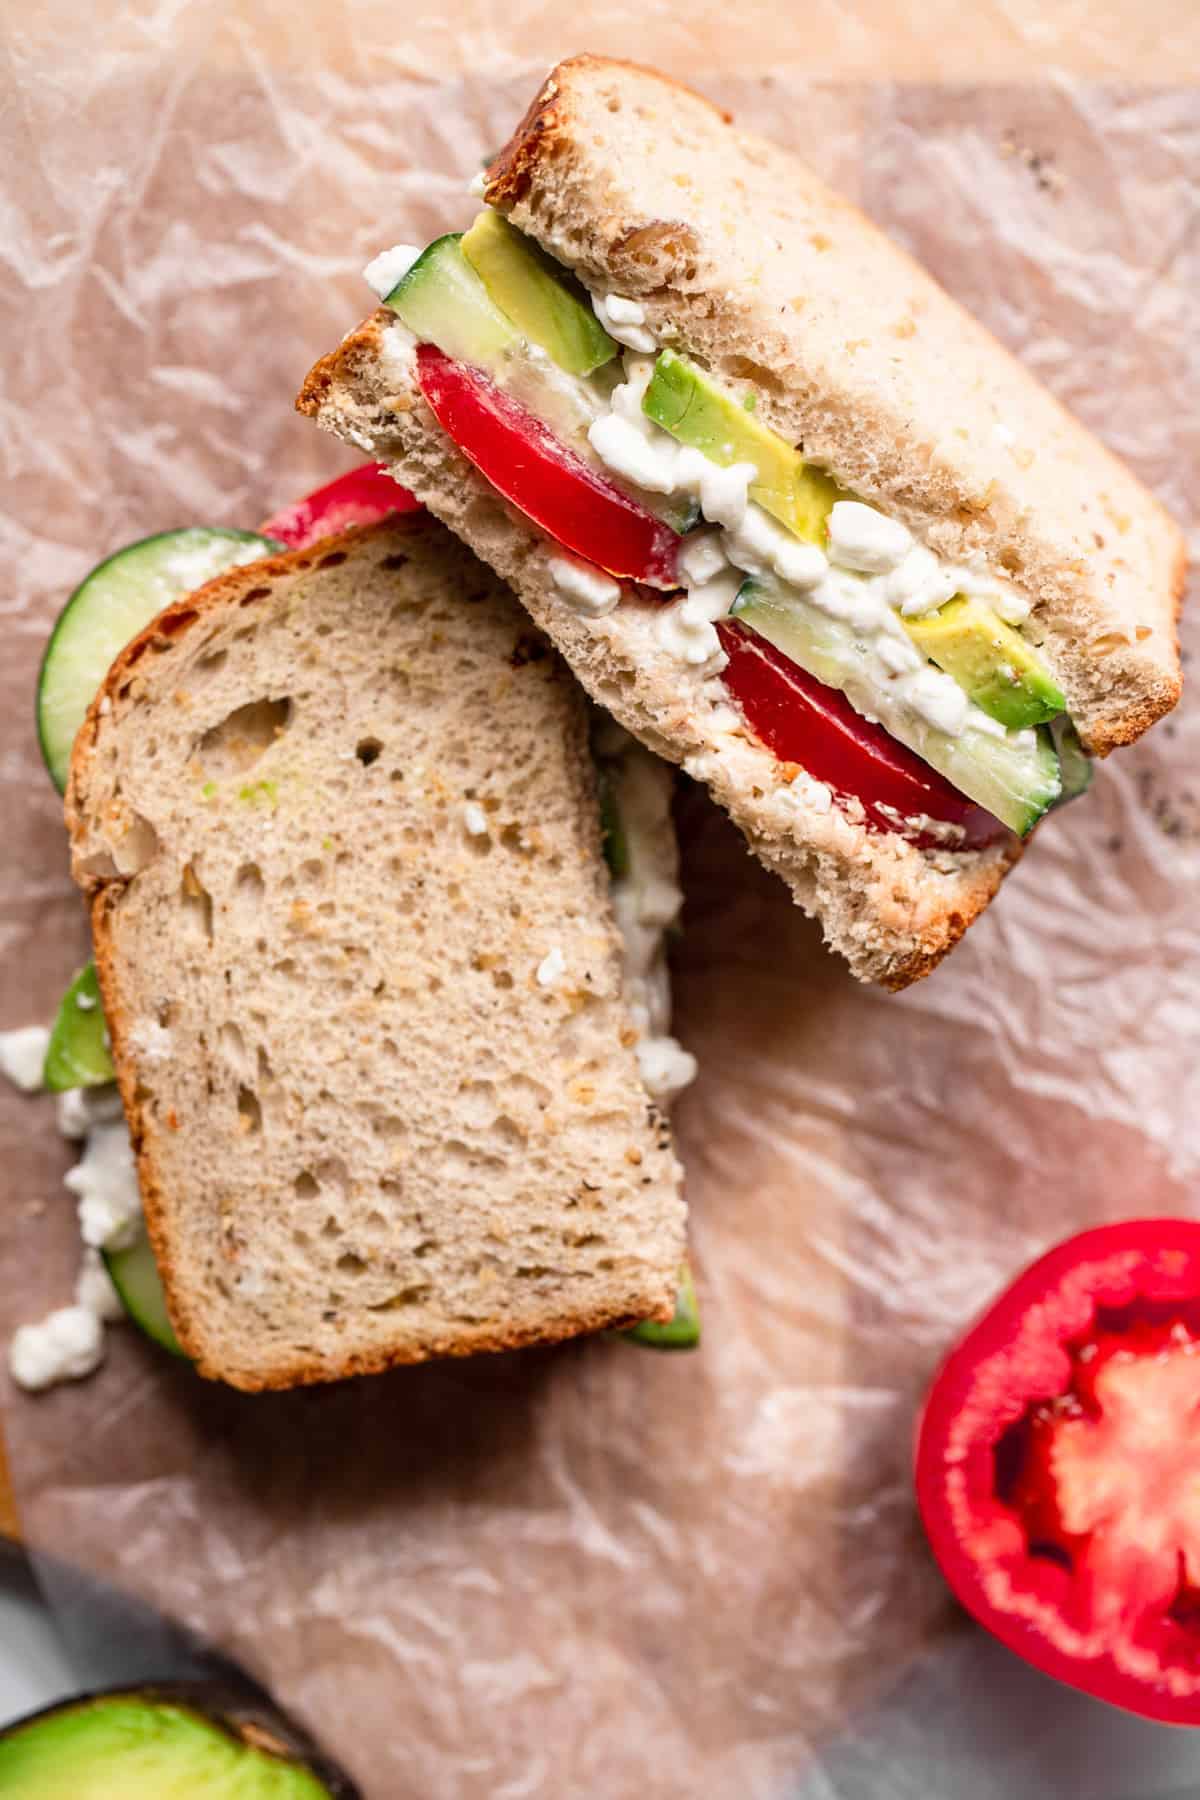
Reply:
x=891, y=910
x=511, y=171
x=244, y=590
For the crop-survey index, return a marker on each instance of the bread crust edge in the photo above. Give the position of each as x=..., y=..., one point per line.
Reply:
x=103, y=895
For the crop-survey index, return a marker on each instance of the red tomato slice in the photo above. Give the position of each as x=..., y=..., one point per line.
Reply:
x=805, y=722
x=358, y=498
x=525, y=462
x=1058, y=1466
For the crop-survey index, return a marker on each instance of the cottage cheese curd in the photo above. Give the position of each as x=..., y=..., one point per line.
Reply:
x=390, y=266
x=647, y=901
x=23, y=1056
x=64, y=1346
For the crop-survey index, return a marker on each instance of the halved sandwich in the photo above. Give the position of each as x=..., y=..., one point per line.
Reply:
x=394, y=1078
x=789, y=513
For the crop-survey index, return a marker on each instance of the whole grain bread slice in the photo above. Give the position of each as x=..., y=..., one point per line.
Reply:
x=745, y=261
x=334, y=812
x=892, y=910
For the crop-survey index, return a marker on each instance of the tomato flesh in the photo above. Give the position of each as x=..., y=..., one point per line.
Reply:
x=803, y=721
x=1058, y=1467
x=552, y=486
x=360, y=497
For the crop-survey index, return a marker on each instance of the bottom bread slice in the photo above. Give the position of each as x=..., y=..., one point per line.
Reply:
x=338, y=820
x=892, y=910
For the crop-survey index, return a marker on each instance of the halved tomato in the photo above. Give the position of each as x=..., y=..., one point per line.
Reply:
x=1058, y=1466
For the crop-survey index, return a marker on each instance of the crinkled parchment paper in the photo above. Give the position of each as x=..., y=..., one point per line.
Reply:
x=599, y=1571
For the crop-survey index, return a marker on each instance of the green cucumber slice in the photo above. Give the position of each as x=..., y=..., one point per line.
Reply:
x=543, y=300
x=108, y=609
x=683, y=1331
x=134, y=1274
x=1077, y=766
x=443, y=301
x=77, y=1055
x=612, y=832
x=1016, y=780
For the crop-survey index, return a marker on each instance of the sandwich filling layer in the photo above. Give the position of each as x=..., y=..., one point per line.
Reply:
x=892, y=677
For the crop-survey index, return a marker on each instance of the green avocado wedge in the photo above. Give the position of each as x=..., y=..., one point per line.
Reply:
x=1004, y=676
x=189, y=1742
x=543, y=300
x=688, y=404
x=77, y=1055
x=680, y=1333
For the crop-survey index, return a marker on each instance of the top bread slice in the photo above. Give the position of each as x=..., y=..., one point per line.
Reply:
x=371, y=1125
x=747, y=262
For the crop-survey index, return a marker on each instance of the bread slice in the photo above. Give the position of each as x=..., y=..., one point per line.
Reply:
x=372, y=1123
x=751, y=265
x=891, y=910
x=744, y=261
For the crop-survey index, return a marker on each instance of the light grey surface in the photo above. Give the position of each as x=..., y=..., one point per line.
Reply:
x=62, y=1633
x=34, y=1666
x=974, y=1722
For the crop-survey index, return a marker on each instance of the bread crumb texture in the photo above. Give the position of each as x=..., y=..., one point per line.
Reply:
x=377, y=1136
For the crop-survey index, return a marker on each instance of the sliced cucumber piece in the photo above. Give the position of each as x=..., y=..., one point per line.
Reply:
x=108, y=609
x=616, y=844
x=77, y=1055
x=134, y=1274
x=1076, y=765
x=443, y=301
x=1016, y=778
x=543, y=300
x=680, y=1333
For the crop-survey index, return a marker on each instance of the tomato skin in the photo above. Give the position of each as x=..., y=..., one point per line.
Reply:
x=360, y=497
x=803, y=721
x=1017, y=1353
x=524, y=462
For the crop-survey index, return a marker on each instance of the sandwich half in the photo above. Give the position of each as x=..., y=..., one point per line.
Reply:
x=379, y=1039
x=789, y=513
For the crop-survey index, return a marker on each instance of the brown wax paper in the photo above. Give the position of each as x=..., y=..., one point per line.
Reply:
x=598, y=1571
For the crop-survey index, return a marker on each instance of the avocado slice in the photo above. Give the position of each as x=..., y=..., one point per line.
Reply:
x=685, y=402
x=544, y=302
x=680, y=1333
x=77, y=1054
x=1005, y=676
x=148, y=1744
